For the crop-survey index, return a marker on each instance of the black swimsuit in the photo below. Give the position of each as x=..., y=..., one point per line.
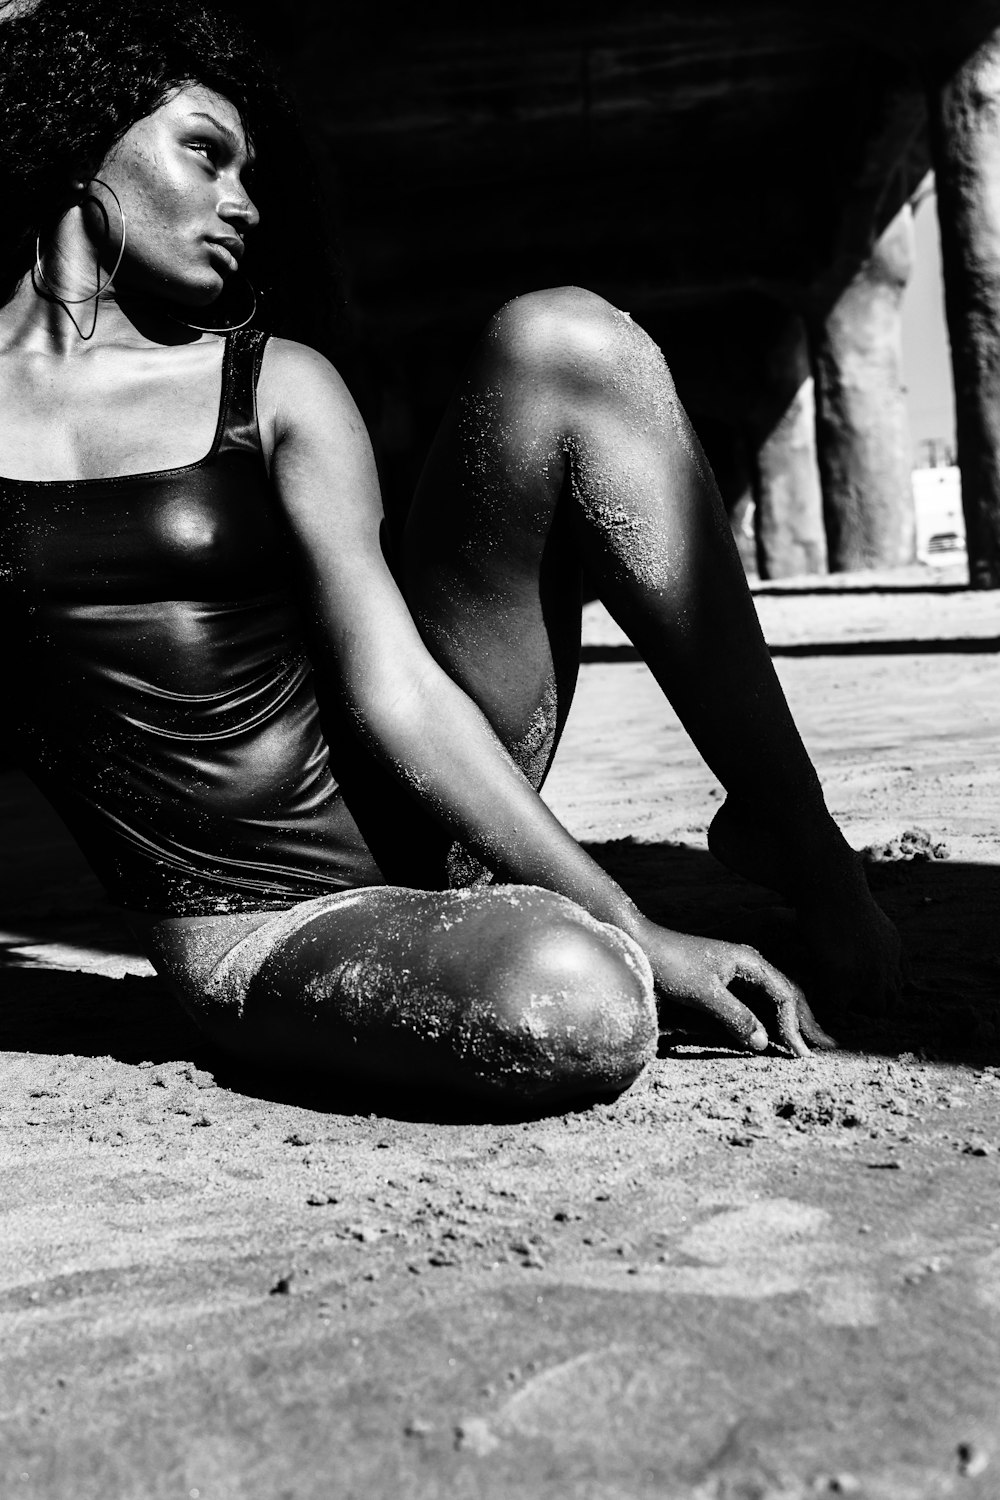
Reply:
x=160, y=691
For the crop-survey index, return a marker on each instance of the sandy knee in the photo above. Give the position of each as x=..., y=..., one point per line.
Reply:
x=570, y=334
x=570, y=1002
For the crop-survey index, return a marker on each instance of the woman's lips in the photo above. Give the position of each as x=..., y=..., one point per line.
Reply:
x=225, y=254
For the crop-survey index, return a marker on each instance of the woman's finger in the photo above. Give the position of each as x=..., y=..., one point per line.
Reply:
x=812, y=1030
x=749, y=965
x=736, y=1018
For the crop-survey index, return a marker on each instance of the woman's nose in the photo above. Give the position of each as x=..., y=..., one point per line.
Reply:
x=238, y=208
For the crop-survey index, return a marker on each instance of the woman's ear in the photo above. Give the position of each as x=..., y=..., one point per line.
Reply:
x=83, y=176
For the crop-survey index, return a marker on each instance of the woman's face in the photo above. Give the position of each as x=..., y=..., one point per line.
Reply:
x=180, y=175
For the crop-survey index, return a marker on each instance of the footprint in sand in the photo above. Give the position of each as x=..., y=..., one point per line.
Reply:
x=616, y=1395
x=571, y=1397
x=615, y=1400
x=987, y=1280
x=774, y=1248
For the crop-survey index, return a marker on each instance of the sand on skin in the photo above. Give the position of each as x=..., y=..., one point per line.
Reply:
x=745, y=1277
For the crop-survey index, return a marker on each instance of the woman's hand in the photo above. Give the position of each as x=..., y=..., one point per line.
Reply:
x=696, y=973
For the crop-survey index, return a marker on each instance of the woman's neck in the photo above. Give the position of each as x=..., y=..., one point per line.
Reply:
x=69, y=291
x=68, y=302
x=36, y=321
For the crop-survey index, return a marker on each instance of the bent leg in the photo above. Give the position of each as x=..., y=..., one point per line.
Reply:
x=511, y=991
x=566, y=446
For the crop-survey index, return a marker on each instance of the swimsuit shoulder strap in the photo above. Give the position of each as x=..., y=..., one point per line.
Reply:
x=244, y=352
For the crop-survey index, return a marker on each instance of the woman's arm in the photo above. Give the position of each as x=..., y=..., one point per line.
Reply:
x=418, y=723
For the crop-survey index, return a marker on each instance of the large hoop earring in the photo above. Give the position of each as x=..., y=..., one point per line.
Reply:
x=78, y=301
x=222, y=327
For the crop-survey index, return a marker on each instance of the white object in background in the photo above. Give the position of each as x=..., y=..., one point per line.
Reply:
x=937, y=499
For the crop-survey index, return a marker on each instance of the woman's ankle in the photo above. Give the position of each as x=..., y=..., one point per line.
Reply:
x=798, y=851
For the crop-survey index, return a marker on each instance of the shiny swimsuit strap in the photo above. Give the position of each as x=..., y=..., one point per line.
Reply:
x=239, y=417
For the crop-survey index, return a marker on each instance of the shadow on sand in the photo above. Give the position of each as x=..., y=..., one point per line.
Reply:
x=965, y=645
x=831, y=589
x=946, y=912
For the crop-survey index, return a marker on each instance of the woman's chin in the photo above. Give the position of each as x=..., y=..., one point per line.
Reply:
x=172, y=300
x=198, y=298
x=191, y=300
x=192, y=293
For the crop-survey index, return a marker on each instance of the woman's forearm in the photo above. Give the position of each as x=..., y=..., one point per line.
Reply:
x=441, y=746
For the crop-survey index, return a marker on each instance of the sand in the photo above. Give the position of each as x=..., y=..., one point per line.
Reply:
x=746, y=1279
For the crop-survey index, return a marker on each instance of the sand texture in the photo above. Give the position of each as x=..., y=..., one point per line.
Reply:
x=746, y=1279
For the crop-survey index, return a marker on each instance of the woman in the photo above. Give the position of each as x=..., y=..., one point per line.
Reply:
x=217, y=678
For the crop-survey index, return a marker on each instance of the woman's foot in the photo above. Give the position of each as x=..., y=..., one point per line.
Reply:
x=852, y=949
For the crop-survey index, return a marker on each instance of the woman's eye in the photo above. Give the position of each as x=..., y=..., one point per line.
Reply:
x=205, y=148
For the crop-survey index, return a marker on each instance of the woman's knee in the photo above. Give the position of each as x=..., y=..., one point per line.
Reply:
x=569, y=1008
x=572, y=336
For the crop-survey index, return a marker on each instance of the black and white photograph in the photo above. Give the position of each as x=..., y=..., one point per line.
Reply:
x=499, y=750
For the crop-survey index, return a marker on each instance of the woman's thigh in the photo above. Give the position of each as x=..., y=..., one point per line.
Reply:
x=490, y=569
x=488, y=558
x=509, y=990
x=564, y=446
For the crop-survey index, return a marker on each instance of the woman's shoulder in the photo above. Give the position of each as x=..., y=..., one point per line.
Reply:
x=299, y=388
x=288, y=361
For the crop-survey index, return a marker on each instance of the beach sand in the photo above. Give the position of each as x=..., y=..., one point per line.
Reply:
x=746, y=1279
